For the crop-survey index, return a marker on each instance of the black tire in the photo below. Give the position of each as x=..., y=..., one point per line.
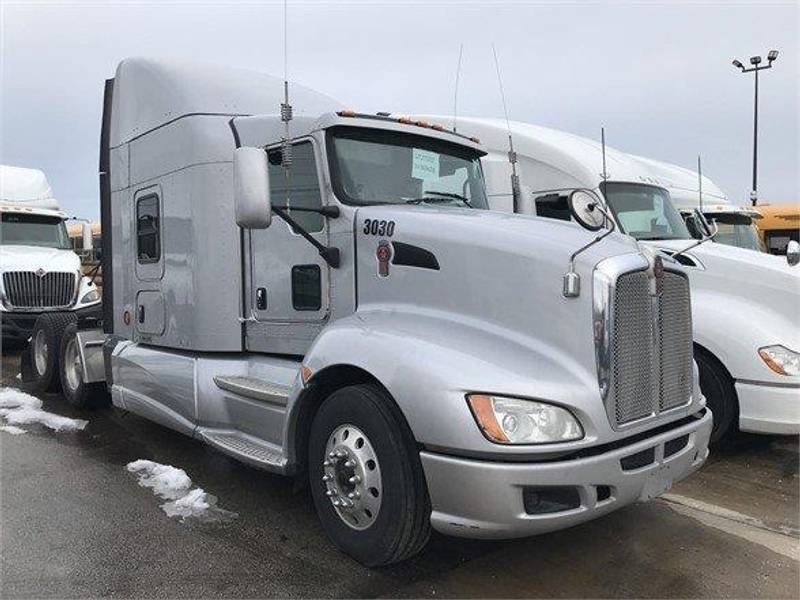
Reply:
x=717, y=386
x=73, y=388
x=44, y=373
x=402, y=525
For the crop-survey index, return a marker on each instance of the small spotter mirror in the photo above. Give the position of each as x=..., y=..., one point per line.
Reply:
x=793, y=252
x=585, y=208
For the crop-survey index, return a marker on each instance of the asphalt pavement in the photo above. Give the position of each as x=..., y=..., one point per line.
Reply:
x=75, y=523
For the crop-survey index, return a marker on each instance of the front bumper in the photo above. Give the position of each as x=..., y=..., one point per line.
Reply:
x=765, y=408
x=482, y=499
x=18, y=325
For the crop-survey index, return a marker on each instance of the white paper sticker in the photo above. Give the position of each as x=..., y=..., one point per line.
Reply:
x=425, y=164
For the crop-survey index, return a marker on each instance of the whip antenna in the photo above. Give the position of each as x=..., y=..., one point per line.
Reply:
x=700, y=181
x=604, y=175
x=286, y=108
x=455, y=94
x=512, y=156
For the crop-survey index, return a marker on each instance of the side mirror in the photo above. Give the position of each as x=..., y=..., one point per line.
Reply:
x=793, y=253
x=251, y=188
x=706, y=229
x=586, y=209
x=86, y=230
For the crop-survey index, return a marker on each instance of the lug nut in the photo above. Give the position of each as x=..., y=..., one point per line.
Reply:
x=354, y=479
x=326, y=478
x=349, y=464
x=326, y=463
x=341, y=454
x=336, y=503
x=332, y=455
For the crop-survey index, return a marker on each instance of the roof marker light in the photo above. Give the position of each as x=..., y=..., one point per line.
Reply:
x=346, y=113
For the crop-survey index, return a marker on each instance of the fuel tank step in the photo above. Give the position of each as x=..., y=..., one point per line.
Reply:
x=246, y=448
x=257, y=389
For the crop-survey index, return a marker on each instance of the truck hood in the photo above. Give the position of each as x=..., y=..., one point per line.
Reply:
x=762, y=289
x=490, y=271
x=33, y=258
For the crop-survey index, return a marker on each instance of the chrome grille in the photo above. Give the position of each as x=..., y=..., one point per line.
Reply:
x=650, y=362
x=26, y=289
x=675, y=342
x=633, y=374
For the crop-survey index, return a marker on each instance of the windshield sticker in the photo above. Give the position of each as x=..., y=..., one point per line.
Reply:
x=425, y=164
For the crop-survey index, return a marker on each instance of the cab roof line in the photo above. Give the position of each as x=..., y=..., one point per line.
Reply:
x=383, y=116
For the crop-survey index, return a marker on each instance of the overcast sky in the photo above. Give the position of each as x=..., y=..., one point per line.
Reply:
x=658, y=76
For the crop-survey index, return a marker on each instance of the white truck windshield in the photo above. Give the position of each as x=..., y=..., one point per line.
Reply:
x=736, y=230
x=33, y=230
x=645, y=212
x=373, y=166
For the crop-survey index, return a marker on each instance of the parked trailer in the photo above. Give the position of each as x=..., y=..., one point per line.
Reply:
x=407, y=351
x=41, y=289
x=744, y=303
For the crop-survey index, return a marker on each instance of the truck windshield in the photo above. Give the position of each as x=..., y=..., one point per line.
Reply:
x=33, y=230
x=645, y=212
x=736, y=230
x=374, y=166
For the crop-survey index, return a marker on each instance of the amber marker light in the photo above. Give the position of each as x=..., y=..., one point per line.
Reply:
x=484, y=414
x=305, y=374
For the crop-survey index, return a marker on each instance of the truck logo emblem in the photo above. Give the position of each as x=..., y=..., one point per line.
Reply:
x=658, y=272
x=40, y=272
x=384, y=255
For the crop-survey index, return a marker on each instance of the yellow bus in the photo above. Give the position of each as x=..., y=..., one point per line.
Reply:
x=780, y=223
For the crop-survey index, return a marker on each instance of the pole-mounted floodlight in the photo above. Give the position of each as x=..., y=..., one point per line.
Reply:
x=757, y=66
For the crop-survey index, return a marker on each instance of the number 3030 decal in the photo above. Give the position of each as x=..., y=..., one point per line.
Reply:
x=376, y=227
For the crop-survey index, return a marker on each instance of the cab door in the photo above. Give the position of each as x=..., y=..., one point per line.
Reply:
x=289, y=289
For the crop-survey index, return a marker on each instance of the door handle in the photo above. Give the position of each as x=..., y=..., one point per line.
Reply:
x=261, y=298
x=141, y=313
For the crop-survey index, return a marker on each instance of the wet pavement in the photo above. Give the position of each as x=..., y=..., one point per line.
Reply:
x=74, y=523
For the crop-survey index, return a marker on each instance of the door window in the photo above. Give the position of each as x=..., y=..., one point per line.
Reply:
x=301, y=182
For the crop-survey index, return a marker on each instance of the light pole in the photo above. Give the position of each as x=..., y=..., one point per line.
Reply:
x=755, y=61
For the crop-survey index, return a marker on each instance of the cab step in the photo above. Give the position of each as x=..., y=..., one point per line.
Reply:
x=246, y=448
x=256, y=389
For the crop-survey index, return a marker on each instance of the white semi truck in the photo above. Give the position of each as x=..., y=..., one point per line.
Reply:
x=745, y=304
x=41, y=277
x=736, y=225
x=340, y=306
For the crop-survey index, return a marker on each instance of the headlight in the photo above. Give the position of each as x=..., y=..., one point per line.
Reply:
x=90, y=296
x=517, y=421
x=781, y=360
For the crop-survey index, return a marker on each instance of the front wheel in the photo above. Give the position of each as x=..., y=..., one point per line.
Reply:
x=366, y=477
x=717, y=386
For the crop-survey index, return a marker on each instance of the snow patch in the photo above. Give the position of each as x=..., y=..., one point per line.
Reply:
x=19, y=408
x=174, y=485
x=12, y=430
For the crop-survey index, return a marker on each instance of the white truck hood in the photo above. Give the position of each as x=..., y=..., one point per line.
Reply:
x=33, y=258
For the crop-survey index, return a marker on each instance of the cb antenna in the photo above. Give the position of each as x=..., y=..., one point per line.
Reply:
x=604, y=174
x=286, y=108
x=512, y=156
x=700, y=181
x=455, y=94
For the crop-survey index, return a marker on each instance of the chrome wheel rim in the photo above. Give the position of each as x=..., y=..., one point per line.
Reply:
x=351, y=475
x=72, y=365
x=40, y=352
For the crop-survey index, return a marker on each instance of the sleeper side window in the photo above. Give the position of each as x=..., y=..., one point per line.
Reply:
x=148, y=225
x=553, y=206
x=302, y=184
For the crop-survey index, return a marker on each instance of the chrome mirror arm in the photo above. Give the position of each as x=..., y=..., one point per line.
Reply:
x=572, y=281
x=714, y=231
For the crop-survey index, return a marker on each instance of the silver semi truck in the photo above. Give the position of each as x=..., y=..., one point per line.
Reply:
x=342, y=307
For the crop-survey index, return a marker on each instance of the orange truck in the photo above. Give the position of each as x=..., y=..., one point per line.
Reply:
x=780, y=223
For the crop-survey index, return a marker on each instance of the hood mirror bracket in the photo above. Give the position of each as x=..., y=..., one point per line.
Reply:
x=587, y=210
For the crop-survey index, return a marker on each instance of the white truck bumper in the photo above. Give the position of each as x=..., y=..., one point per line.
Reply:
x=483, y=499
x=767, y=408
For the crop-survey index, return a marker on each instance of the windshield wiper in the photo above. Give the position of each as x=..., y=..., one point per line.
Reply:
x=445, y=197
